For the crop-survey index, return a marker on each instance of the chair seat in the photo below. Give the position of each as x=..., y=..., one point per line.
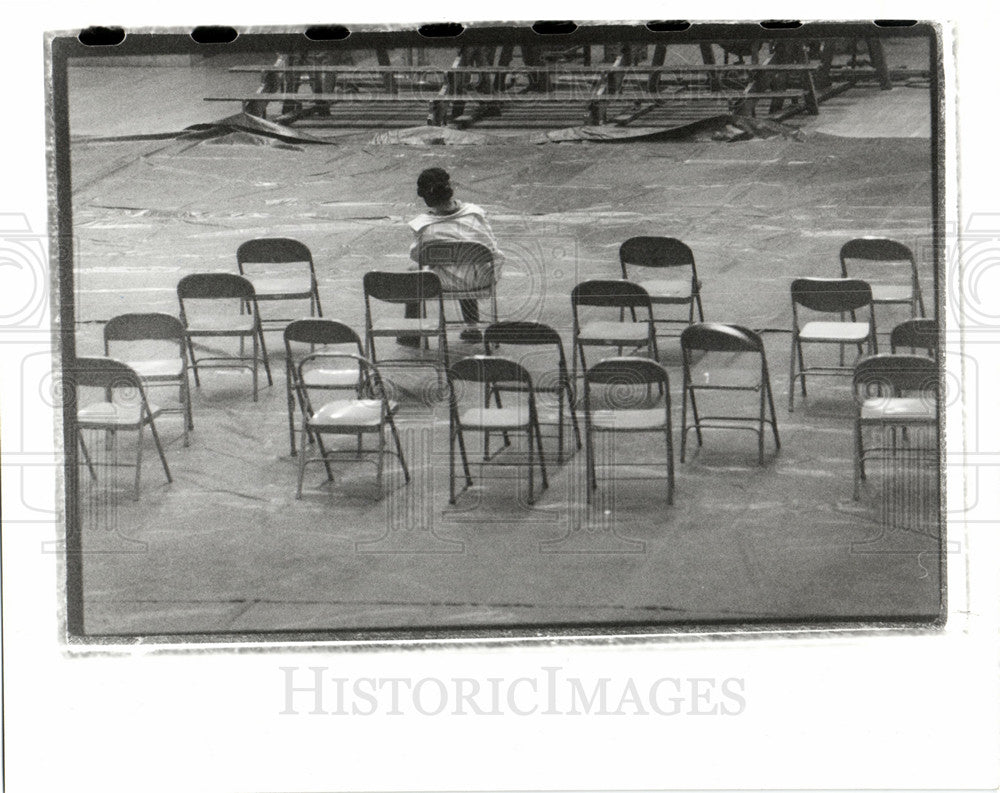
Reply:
x=159, y=369
x=899, y=409
x=100, y=415
x=835, y=331
x=229, y=324
x=890, y=293
x=350, y=413
x=329, y=376
x=643, y=419
x=428, y=326
x=279, y=288
x=607, y=331
x=509, y=418
x=668, y=291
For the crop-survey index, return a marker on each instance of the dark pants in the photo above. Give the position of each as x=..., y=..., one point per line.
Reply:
x=470, y=313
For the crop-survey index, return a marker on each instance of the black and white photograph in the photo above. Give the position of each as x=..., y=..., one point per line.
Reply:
x=589, y=399
x=575, y=327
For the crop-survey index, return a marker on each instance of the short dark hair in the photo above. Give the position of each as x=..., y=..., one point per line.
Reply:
x=434, y=186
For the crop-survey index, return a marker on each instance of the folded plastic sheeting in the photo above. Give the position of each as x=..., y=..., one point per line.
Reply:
x=244, y=129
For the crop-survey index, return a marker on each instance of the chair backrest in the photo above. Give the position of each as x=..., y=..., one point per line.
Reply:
x=515, y=332
x=489, y=369
x=320, y=331
x=897, y=374
x=202, y=286
x=716, y=337
x=610, y=293
x=402, y=287
x=443, y=253
x=107, y=373
x=627, y=371
x=655, y=252
x=874, y=249
x=917, y=334
x=143, y=327
x=831, y=295
x=272, y=250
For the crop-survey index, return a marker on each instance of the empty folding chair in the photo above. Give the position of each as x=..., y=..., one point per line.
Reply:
x=367, y=412
x=494, y=374
x=423, y=288
x=839, y=296
x=619, y=375
x=895, y=394
x=157, y=367
x=915, y=334
x=224, y=321
x=668, y=255
x=535, y=334
x=280, y=269
x=125, y=407
x=712, y=338
x=875, y=257
x=634, y=335
x=317, y=332
x=467, y=273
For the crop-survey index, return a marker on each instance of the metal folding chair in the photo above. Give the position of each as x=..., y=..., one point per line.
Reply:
x=368, y=412
x=280, y=269
x=443, y=257
x=535, y=334
x=917, y=334
x=716, y=338
x=622, y=295
x=205, y=287
x=317, y=332
x=128, y=409
x=397, y=289
x=829, y=296
x=877, y=254
x=619, y=375
x=494, y=374
x=881, y=383
x=664, y=253
x=156, y=371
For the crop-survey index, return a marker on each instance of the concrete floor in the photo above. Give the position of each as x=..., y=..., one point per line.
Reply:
x=227, y=547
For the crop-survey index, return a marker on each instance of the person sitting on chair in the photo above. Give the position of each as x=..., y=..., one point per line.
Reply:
x=450, y=220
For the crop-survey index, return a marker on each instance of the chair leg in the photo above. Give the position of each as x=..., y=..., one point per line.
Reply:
x=291, y=408
x=559, y=455
x=859, y=461
x=774, y=417
x=451, y=463
x=138, y=461
x=159, y=449
x=194, y=362
x=791, y=378
x=263, y=354
x=531, y=465
x=541, y=454
x=380, y=464
x=572, y=416
x=591, y=473
x=670, y=465
x=86, y=455
x=255, y=359
x=302, y=458
x=465, y=458
x=188, y=409
x=684, y=414
x=399, y=450
x=323, y=454
x=760, y=429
